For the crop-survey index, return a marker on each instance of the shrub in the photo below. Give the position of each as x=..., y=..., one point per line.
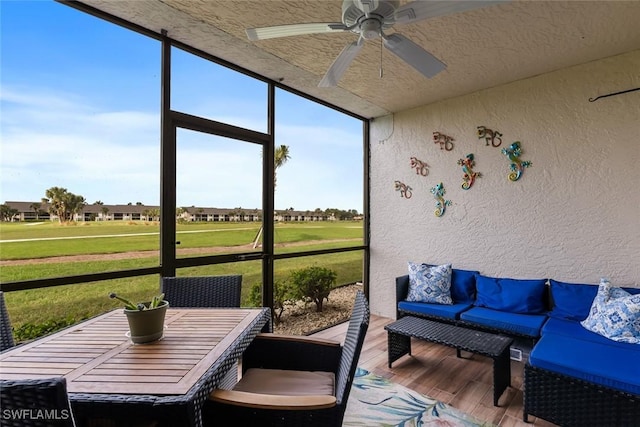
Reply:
x=30, y=331
x=313, y=284
x=255, y=295
x=281, y=295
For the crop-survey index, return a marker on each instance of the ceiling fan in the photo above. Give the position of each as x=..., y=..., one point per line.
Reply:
x=369, y=19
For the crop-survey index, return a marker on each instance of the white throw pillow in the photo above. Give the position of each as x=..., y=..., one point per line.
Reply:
x=615, y=314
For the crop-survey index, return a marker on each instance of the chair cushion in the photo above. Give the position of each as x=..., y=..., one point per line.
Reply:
x=287, y=382
x=571, y=301
x=573, y=329
x=522, y=324
x=512, y=295
x=429, y=284
x=607, y=365
x=438, y=310
x=463, y=285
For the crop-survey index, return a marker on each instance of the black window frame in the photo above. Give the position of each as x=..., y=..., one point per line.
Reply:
x=171, y=120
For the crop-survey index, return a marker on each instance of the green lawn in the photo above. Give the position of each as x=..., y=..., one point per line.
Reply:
x=38, y=311
x=39, y=240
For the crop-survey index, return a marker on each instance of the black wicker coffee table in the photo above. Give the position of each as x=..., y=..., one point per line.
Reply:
x=477, y=342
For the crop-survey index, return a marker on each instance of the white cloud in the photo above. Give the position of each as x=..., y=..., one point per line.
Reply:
x=55, y=139
x=61, y=139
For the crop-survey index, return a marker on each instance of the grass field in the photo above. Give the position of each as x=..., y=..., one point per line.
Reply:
x=24, y=248
x=47, y=239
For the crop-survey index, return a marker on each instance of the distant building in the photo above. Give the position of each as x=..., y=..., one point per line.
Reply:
x=152, y=213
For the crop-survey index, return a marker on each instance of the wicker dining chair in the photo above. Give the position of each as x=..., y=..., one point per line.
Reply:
x=293, y=380
x=203, y=291
x=35, y=403
x=6, y=336
x=206, y=291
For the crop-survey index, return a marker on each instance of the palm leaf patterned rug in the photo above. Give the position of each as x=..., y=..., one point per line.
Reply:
x=377, y=402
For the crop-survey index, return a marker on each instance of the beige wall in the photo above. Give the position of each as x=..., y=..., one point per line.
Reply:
x=574, y=214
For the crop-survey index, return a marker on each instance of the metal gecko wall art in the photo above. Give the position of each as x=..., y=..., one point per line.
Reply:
x=517, y=166
x=446, y=142
x=492, y=137
x=469, y=176
x=421, y=167
x=404, y=189
x=441, y=205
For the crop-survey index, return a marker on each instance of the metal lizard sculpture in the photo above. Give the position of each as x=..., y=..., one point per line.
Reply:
x=421, y=167
x=490, y=136
x=405, y=190
x=438, y=192
x=469, y=176
x=517, y=165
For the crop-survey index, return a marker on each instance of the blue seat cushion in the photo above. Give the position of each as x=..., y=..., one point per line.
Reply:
x=447, y=311
x=522, y=324
x=604, y=364
x=573, y=329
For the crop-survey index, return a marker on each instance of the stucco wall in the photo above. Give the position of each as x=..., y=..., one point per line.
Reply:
x=573, y=215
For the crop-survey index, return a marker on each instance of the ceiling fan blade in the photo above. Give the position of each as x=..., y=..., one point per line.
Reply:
x=367, y=6
x=340, y=64
x=293, y=30
x=414, y=55
x=417, y=10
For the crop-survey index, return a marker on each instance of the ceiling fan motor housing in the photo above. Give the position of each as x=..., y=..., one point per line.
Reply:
x=380, y=18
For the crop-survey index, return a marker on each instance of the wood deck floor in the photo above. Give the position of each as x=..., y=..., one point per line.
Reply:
x=434, y=370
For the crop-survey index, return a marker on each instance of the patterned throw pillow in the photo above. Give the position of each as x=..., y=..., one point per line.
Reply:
x=429, y=284
x=615, y=314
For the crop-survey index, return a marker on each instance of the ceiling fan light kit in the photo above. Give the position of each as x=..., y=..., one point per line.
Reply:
x=369, y=19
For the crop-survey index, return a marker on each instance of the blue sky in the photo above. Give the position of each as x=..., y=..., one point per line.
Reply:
x=79, y=109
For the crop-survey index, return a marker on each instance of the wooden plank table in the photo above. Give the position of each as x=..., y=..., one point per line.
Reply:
x=106, y=373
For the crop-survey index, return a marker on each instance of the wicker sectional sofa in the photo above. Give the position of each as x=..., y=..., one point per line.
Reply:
x=573, y=377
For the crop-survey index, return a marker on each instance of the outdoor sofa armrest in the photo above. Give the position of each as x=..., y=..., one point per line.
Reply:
x=272, y=401
x=402, y=288
x=273, y=351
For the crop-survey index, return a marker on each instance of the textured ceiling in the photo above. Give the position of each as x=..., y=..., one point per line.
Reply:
x=482, y=48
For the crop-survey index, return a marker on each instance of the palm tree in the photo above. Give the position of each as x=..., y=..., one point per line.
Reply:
x=63, y=204
x=76, y=204
x=7, y=213
x=281, y=156
x=56, y=197
x=36, y=208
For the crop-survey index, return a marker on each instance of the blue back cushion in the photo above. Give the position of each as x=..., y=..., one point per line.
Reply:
x=512, y=295
x=572, y=301
x=463, y=285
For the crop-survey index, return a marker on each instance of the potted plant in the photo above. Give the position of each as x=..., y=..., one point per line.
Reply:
x=146, y=319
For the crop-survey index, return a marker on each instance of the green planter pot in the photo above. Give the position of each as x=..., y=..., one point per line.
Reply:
x=146, y=325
